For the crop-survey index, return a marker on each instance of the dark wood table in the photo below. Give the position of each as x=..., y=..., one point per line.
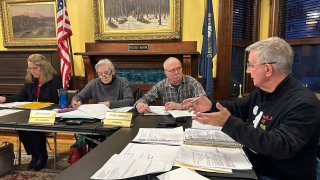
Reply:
x=19, y=121
x=96, y=158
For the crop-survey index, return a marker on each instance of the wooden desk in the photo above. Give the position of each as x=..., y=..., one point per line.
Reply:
x=96, y=158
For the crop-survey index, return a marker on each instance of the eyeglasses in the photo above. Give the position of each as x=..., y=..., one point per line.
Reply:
x=105, y=74
x=33, y=69
x=178, y=69
x=254, y=65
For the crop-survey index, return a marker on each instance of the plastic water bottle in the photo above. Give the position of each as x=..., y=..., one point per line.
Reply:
x=63, y=98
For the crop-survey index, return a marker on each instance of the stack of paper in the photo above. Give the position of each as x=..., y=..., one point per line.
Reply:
x=169, y=136
x=121, y=167
x=91, y=111
x=212, y=159
x=87, y=111
x=208, y=137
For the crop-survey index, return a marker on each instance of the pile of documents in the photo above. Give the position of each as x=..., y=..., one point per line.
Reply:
x=91, y=111
x=158, y=149
x=209, y=137
x=168, y=136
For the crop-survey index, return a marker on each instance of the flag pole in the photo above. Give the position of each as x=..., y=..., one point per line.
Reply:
x=71, y=57
x=72, y=64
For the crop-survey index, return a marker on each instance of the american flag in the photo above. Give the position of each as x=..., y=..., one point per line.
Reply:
x=63, y=34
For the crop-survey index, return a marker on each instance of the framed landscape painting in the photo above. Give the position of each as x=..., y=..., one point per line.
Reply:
x=137, y=19
x=28, y=22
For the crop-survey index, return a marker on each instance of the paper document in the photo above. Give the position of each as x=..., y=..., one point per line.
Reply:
x=157, y=110
x=120, y=167
x=181, y=113
x=13, y=104
x=87, y=111
x=169, y=136
x=121, y=109
x=4, y=112
x=151, y=151
x=198, y=125
x=208, y=137
x=181, y=173
x=209, y=158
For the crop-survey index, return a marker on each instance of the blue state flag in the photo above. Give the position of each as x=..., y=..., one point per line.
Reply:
x=209, y=49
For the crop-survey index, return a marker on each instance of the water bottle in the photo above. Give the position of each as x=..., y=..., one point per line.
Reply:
x=63, y=98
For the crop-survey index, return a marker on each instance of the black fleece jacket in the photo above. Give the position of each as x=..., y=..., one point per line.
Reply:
x=283, y=142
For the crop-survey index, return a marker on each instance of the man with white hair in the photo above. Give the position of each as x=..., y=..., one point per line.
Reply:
x=172, y=90
x=278, y=123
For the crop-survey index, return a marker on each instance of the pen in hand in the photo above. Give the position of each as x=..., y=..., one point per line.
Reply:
x=195, y=99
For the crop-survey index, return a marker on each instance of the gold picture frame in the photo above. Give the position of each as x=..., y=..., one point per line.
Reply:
x=137, y=20
x=28, y=23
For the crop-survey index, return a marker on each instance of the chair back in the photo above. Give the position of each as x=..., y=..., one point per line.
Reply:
x=71, y=93
x=136, y=92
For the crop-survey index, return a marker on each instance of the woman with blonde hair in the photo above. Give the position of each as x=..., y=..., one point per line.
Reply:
x=41, y=85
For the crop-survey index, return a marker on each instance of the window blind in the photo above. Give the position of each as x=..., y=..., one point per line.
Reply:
x=243, y=19
x=299, y=19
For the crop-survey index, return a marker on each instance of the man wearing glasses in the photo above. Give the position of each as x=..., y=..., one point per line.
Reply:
x=172, y=90
x=108, y=88
x=278, y=123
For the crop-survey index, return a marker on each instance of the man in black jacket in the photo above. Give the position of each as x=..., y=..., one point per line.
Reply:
x=278, y=123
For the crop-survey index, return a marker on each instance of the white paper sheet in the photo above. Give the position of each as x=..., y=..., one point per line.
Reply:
x=87, y=111
x=170, y=136
x=120, y=167
x=157, y=110
x=4, y=112
x=181, y=113
x=122, y=109
x=213, y=157
x=151, y=151
x=198, y=125
x=13, y=104
x=181, y=173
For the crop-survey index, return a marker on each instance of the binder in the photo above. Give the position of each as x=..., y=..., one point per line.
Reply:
x=209, y=137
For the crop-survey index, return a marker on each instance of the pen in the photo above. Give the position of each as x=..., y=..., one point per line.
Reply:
x=193, y=100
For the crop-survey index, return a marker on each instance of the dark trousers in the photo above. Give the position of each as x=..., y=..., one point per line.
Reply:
x=34, y=142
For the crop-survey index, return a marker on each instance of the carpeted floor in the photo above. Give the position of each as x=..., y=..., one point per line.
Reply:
x=20, y=172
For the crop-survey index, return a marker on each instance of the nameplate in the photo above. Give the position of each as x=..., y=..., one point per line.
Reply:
x=42, y=117
x=122, y=119
x=138, y=47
